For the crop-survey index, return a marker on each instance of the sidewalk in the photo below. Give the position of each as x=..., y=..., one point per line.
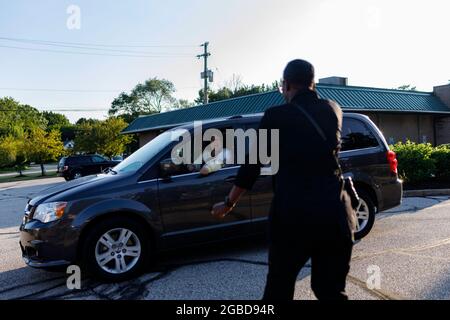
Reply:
x=34, y=169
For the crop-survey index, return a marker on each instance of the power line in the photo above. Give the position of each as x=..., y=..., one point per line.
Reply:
x=98, y=45
x=96, y=54
x=61, y=110
x=78, y=90
x=86, y=47
x=61, y=90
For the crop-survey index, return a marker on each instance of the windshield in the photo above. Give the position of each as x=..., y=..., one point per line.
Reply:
x=146, y=153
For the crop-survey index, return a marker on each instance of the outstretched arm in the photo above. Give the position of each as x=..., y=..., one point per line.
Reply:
x=220, y=210
x=245, y=179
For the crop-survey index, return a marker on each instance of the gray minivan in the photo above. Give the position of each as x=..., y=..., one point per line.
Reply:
x=113, y=223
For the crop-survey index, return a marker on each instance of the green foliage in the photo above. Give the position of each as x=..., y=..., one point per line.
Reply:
x=407, y=87
x=55, y=120
x=8, y=151
x=146, y=98
x=441, y=157
x=43, y=147
x=422, y=162
x=16, y=118
x=28, y=135
x=181, y=104
x=21, y=161
x=68, y=132
x=88, y=121
x=102, y=137
x=239, y=90
x=13, y=153
x=414, y=161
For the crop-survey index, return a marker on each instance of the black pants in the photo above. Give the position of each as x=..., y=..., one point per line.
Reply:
x=330, y=263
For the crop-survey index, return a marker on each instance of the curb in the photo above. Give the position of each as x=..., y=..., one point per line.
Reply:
x=426, y=193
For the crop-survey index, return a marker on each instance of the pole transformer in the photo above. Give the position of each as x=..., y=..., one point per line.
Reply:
x=206, y=75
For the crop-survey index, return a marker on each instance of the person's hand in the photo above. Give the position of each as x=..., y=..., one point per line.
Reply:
x=204, y=171
x=220, y=210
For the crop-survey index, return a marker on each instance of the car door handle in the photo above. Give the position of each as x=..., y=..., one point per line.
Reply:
x=231, y=179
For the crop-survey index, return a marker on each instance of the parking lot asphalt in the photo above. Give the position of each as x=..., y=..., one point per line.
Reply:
x=406, y=256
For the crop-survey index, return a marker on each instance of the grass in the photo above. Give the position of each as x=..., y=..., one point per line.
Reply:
x=33, y=176
x=10, y=169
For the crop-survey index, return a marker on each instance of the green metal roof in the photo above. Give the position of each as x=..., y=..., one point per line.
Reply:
x=350, y=98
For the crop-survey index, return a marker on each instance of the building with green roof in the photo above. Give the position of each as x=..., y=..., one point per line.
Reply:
x=400, y=114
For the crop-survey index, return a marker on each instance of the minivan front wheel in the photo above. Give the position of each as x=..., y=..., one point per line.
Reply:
x=116, y=249
x=365, y=215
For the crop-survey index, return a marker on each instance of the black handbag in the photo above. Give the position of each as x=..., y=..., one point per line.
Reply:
x=346, y=182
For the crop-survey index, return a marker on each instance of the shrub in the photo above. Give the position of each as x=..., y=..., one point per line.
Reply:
x=441, y=157
x=415, y=162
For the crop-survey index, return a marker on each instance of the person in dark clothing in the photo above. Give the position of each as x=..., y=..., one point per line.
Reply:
x=310, y=212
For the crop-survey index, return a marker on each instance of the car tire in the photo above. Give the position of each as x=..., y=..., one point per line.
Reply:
x=365, y=215
x=118, y=266
x=76, y=175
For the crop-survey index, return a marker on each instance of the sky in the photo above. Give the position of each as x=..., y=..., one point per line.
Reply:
x=373, y=43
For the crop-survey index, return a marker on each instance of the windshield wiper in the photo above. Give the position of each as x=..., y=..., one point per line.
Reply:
x=110, y=170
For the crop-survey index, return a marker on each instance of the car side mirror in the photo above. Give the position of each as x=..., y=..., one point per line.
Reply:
x=168, y=169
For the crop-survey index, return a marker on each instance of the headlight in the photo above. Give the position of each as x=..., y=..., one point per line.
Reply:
x=48, y=212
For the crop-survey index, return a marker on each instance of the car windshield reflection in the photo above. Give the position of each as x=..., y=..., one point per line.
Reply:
x=138, y=159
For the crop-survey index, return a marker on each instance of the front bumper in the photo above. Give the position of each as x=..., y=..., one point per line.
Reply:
x=46, y=245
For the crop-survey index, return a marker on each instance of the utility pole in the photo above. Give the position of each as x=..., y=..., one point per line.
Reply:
x=206, y=75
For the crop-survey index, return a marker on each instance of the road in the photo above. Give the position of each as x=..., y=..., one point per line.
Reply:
x=409, y=249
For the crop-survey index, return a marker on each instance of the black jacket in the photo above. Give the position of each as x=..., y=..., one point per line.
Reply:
x=307, y=189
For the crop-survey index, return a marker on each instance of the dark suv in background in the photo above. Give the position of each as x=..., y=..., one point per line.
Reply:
x=75, y=167
x=112, y=223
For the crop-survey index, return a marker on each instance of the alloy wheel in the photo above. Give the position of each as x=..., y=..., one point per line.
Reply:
x=118, y=251
x=362, y=215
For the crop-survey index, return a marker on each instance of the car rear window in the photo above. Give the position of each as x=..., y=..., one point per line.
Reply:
x=356, y=135
x=77, y=160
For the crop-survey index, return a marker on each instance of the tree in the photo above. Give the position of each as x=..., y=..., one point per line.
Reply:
x=21, y=161
x=102, y=137
x=237, y=90
x=235, y=83
x=68, y=132
x=146, y=98
x=86, y=120
x=8, y=151
x=182, y=104
x=15, y=117
x=43, y=147
x=55, y=120
x=407, y=87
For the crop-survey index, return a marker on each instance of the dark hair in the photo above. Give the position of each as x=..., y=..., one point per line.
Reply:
x=299, y=72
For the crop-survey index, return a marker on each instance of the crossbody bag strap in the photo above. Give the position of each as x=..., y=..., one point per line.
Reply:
x=319, y=131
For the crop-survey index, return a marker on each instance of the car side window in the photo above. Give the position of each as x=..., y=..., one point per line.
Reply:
x=97, y=159
x=355, y=135
x=195, y=168
x=75, y=161
x=182, y=169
